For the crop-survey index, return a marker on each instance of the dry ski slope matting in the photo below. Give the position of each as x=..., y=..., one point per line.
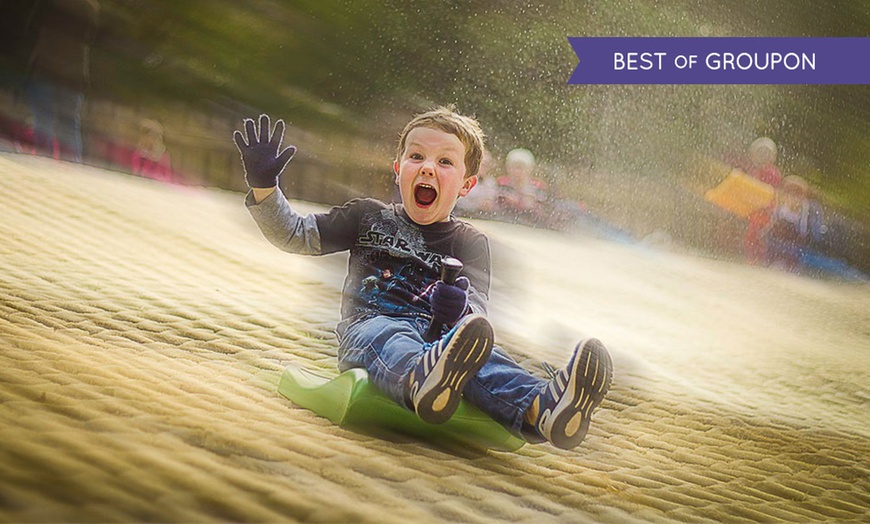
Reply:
x=144, y=328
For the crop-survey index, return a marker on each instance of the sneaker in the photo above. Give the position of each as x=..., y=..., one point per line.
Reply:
x=564, y=408
x=437, y=381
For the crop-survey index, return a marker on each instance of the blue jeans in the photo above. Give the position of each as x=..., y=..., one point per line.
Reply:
x=389, y=348
x=57, y=114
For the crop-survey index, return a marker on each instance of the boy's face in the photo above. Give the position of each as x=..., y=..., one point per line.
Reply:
x=431, y=174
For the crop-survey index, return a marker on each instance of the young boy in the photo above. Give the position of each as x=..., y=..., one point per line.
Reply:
x=392, y=291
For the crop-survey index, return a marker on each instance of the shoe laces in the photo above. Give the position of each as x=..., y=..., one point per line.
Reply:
x=551, y=371
x=558, y=380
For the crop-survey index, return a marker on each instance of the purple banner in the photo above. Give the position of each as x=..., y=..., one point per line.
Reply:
x=606, y=60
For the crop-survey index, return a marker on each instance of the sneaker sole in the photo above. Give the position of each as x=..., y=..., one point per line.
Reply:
x=589, y=380
x=469, y=349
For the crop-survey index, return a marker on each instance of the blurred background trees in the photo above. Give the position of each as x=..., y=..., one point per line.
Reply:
x=347, y=74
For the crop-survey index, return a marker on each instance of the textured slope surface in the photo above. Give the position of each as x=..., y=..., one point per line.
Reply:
x=143, y=329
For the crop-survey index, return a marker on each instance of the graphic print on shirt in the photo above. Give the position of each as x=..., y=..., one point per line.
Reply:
x=387, y=232
x=395, y=267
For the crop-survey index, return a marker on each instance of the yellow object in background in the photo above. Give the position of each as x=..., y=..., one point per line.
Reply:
x=741, y=194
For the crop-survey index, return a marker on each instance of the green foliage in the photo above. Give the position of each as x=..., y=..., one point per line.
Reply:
x=361, y=66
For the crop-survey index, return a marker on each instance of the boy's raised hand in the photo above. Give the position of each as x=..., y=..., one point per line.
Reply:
x=260, y=152
x=449, y=302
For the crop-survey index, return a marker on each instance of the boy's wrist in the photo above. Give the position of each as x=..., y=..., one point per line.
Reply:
x=261, y=194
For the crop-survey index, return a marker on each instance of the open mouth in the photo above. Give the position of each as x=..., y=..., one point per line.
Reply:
x=424, y=195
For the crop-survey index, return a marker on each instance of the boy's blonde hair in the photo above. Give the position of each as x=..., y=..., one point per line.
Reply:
x=445, y=118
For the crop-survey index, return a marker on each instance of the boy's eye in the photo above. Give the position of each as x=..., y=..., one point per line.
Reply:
x=415, y=156
x=447, y=161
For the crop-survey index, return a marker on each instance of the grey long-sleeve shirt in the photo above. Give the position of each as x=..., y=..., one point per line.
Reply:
x=393, y=261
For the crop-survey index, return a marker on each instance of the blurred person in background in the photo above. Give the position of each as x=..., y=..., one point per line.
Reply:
x=796, y=223
x=761, y=166
x=58, y=74
x=151, y=159
x=521, y=196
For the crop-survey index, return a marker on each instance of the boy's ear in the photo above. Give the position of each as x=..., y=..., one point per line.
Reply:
x=396, y=170
x=469, y=183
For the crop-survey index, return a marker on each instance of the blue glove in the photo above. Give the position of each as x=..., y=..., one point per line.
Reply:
x=449, y=302
x=260, y=157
